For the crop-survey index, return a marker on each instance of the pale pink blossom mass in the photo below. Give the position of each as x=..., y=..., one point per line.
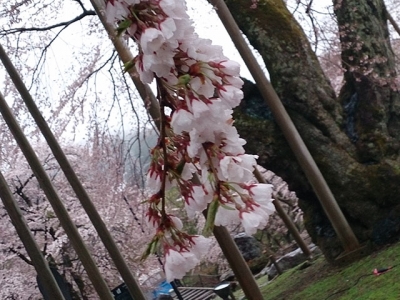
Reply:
x=201, y=87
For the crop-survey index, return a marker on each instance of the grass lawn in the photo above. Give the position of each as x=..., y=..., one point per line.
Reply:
x=322, y=281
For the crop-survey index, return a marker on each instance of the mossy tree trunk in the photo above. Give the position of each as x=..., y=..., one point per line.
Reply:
x=354, y=138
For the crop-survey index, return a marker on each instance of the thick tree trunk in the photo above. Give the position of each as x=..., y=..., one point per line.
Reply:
x=353, y=138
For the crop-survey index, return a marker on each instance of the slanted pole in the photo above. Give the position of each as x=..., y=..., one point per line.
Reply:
x=83, y=197
x=59, y=209
x=239, y=266
x=38, y=261
x=307, y=163
x=149, y=99
x=286, y=219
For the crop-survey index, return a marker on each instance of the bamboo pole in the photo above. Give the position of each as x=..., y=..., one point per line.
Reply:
x=73, y=180
x=38, y=261
x=307, y=163
x=44, y=181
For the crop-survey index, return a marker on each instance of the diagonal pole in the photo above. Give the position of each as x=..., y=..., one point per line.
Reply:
x=286, y=219
x=239, y=266
x=149, y=99
x=45, y=183
x=73, y=180
x=24, y=233
x=307, y=163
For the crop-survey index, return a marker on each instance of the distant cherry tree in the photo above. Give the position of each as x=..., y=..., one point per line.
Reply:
x=101, y=170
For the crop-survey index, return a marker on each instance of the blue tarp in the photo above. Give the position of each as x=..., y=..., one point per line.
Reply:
x=163, y=288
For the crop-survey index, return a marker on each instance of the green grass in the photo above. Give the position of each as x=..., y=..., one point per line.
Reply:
x=321, y=280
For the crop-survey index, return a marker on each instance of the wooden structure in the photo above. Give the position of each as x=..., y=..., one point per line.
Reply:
x=229, y=248
x=195, y=293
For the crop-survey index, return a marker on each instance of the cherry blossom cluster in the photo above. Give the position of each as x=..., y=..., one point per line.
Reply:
x=199, y=150
x=254, y=4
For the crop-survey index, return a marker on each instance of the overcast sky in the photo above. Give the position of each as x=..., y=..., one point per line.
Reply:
x=61, y=53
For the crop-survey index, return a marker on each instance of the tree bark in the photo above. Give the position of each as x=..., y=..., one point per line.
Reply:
x=353, y=137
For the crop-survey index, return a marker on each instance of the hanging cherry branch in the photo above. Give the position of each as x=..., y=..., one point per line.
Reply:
x=197, y=89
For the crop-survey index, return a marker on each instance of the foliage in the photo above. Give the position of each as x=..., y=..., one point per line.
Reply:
x=321, y=280
x=100, y=171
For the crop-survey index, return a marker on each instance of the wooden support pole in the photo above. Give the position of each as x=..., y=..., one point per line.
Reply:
x=307, y=163
x=149, y=100
x=59, y=209
x=73, y=180
x=393, y=22
x=286, y=219
x=32, y=248
x=238, y=264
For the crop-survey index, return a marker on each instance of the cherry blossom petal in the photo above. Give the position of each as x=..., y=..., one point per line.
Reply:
x=181, y=120
x=231, y=67
x=151, y=40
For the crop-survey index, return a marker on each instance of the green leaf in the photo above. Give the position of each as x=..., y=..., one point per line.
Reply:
x=180, y=167
x=128, y=66
x=184, y=79
x=211, y=213
x=152, y=248
x=124, y=25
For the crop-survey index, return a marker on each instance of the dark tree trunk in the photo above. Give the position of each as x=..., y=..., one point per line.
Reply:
x=353, y=137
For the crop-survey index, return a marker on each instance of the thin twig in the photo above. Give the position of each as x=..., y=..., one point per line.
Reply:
x=393, y=22
x=66, y=23
x=21, y=256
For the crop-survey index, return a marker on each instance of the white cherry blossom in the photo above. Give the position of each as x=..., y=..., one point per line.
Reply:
x=227, y=215
x=182, y=120
x=237, y=168
x=200, y=245
x=253, y=220
x=178, y=263
x=231, y=95
x=230, y=67
x=168, y=28
x=198, y=201
x=151, y=40
x=153, y=181
x=116, y=10
x=201, y=87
